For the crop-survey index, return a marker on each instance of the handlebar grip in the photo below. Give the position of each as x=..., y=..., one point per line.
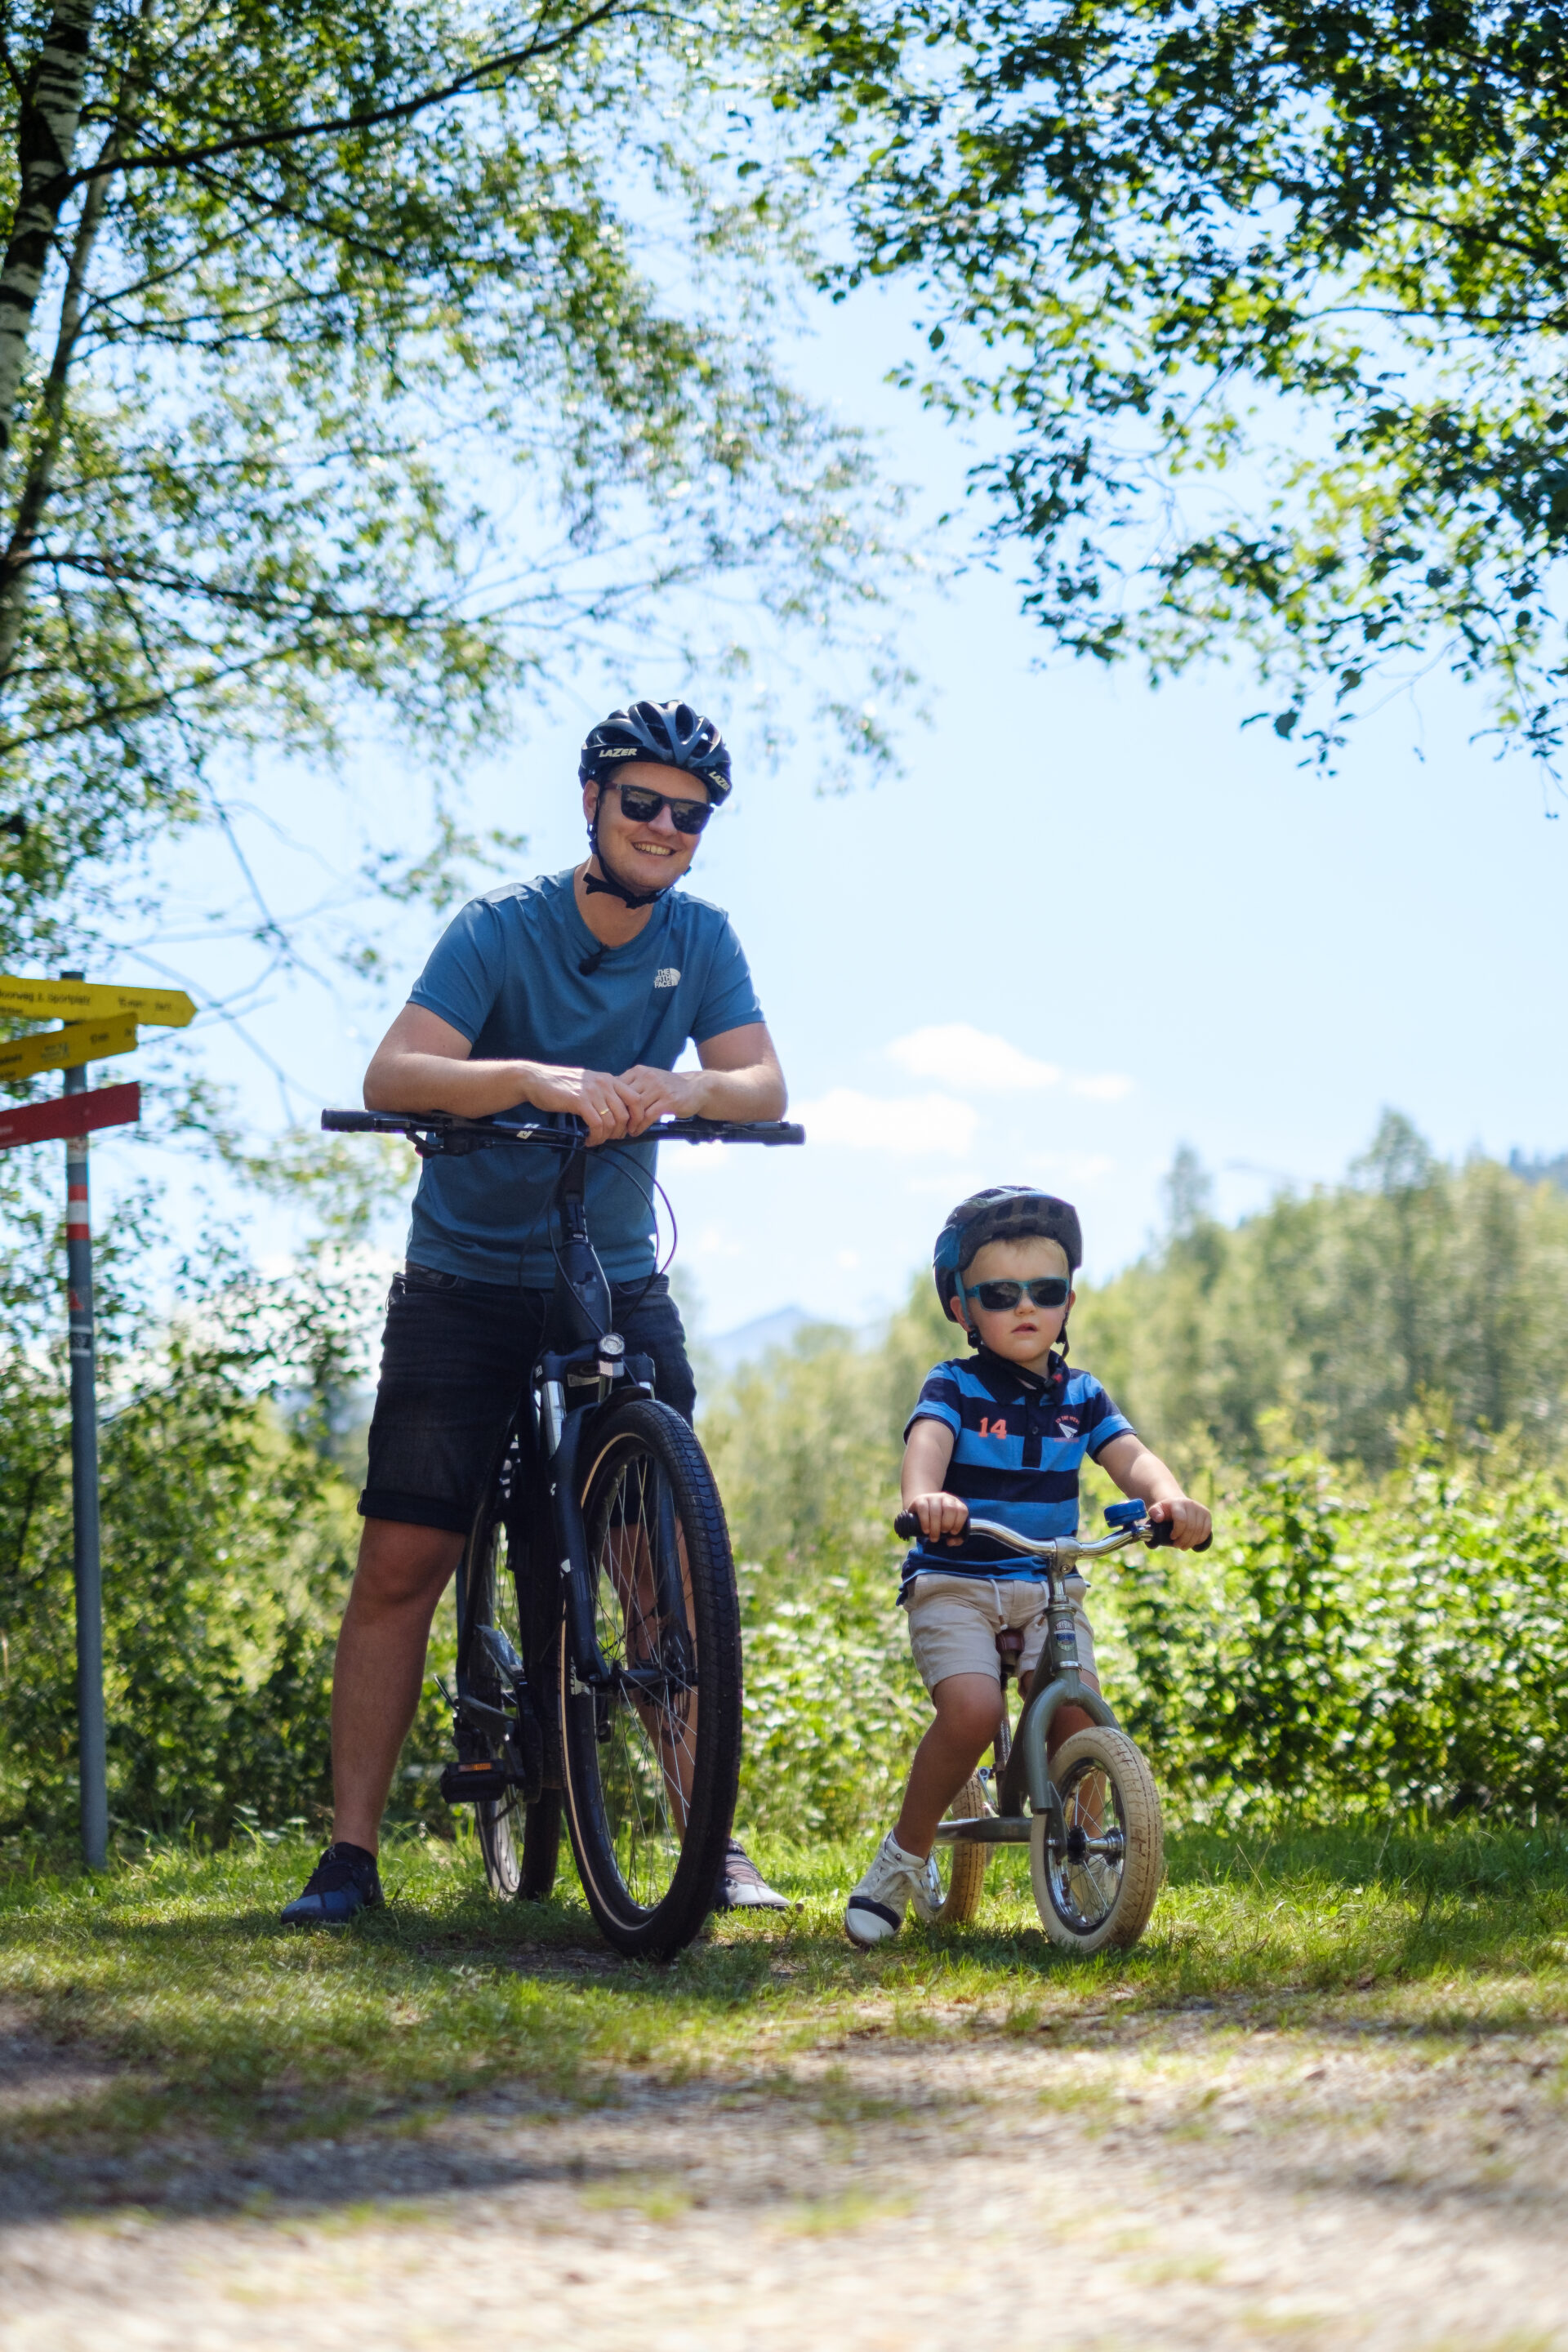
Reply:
x=1162, y=1532
x=909, y=1527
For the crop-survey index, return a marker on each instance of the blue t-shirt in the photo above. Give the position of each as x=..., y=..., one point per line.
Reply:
x=506, y=972
x=1017, y=1443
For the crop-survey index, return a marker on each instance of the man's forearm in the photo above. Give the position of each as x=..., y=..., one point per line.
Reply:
x=411, y=1082
x=756, y=1092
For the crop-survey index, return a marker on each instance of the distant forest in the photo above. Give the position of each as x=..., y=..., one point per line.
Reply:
x=1333, y=1313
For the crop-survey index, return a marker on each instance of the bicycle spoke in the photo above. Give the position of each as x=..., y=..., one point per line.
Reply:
x=1088, y=1868
x=648, y=1720
x=498, y=1822
x=652, y=1750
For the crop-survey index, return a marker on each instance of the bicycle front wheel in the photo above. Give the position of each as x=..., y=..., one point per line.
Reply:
x=652, y=1762
x=1095, y=1891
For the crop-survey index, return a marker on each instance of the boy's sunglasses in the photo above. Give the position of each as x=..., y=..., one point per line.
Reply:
x=642, y=807
x=1048, y=1290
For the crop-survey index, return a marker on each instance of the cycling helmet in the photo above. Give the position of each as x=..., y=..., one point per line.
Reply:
x=672, y=733
x=1004, y=1213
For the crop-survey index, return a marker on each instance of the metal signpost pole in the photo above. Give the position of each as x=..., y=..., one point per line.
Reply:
x=84, y=1494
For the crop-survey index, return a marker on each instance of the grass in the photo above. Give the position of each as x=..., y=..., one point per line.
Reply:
x=229, y=2024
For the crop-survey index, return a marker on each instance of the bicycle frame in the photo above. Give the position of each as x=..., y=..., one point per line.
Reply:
x=1025, y=1771
x=552, y=1424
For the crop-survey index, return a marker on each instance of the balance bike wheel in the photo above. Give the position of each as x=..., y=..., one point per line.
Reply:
x=962, y=1866
x=1096, y=1894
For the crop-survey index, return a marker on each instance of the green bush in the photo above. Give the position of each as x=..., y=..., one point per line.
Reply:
x=228, y=1533
x=833, y=1705
x=1353, y=1646
x=1351, y=1650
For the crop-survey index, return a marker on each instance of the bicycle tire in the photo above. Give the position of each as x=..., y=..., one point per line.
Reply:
x=650, y=1785
x=1094, y=1902
x=962, y=1865
x=521, y=1843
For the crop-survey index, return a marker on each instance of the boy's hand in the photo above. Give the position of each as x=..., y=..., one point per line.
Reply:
x=941, y=1516
x=1190, y=1523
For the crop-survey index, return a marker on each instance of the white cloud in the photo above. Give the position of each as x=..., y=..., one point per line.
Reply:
x=917, y=1125
x=962, y=1055
x=711, y=1242
x=967, y=1056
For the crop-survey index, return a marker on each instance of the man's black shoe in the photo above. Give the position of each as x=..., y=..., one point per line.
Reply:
x=344, y=1883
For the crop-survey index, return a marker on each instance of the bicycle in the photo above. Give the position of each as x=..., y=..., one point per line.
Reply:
x=1093, y=1827
x=598, y=1655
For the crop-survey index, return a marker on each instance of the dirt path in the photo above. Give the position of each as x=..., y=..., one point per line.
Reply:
x=1197, y=2183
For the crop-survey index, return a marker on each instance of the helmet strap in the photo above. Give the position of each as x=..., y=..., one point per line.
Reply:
x=970, y=1332
x=611, y=886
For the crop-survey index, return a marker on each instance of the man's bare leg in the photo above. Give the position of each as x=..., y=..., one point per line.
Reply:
x=380, y=1667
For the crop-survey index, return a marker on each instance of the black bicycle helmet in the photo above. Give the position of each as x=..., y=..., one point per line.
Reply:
x=1004, y=1213
x=672, y=733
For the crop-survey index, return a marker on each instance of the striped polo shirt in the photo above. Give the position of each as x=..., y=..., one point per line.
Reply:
x=1018, y=1441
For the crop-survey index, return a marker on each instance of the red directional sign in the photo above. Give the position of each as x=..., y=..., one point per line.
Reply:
x=71, y=1114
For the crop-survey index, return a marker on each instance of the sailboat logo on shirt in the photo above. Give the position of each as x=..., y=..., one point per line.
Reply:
x=666, y=976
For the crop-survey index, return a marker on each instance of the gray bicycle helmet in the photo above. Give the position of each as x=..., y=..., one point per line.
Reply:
x=672, y=733
x=1004, y=1213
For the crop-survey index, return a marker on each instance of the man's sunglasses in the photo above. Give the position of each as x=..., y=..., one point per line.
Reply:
x=642, y=807
x=1048, y=1290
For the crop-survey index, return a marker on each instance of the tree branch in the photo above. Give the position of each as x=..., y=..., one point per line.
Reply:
x=181, y=159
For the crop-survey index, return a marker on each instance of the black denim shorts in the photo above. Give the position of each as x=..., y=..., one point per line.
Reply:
x=454, y=1360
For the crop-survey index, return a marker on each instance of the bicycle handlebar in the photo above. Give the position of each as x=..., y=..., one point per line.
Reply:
x=443, y=1133
x=1152, y=1532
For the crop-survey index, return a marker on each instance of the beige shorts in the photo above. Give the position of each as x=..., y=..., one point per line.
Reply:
x=954, y=1621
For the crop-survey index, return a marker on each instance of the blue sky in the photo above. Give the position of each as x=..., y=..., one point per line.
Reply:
x=1090, y=922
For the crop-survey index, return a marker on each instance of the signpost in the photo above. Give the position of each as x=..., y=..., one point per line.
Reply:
x=105, y=1025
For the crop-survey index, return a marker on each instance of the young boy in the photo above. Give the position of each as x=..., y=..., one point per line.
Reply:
x=1001, y=1437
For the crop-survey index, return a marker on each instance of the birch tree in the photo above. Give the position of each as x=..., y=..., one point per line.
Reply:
x=368, y=358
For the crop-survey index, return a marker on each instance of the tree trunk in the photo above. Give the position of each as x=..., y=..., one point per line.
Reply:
x=40, y=476
x=46, y=130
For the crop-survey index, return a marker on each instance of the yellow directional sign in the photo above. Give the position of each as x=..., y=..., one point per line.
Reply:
x=61, y=1049
x=46, y=1000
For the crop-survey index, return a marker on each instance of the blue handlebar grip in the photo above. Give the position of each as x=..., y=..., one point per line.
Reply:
x=1124, y=1514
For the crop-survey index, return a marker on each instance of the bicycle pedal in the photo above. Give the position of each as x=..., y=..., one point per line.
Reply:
x=478, y=1783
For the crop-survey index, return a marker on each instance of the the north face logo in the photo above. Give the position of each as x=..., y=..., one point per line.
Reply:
x=666, y=976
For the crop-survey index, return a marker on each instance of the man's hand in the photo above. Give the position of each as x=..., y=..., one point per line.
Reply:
x=605, y=1105
x=940, y=1516
x=1190, y=1523
x=661, y=1094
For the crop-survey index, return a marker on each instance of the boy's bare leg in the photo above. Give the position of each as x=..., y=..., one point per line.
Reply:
x=968, y=1710
x=380, y=1667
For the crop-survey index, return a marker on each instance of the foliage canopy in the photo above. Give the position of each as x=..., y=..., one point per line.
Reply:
x=1267, y=300
x=372, y=362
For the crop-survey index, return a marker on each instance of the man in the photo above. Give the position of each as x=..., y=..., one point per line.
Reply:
x=575, y=993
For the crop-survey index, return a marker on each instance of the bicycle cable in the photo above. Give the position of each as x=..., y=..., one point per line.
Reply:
x=647, y=1185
